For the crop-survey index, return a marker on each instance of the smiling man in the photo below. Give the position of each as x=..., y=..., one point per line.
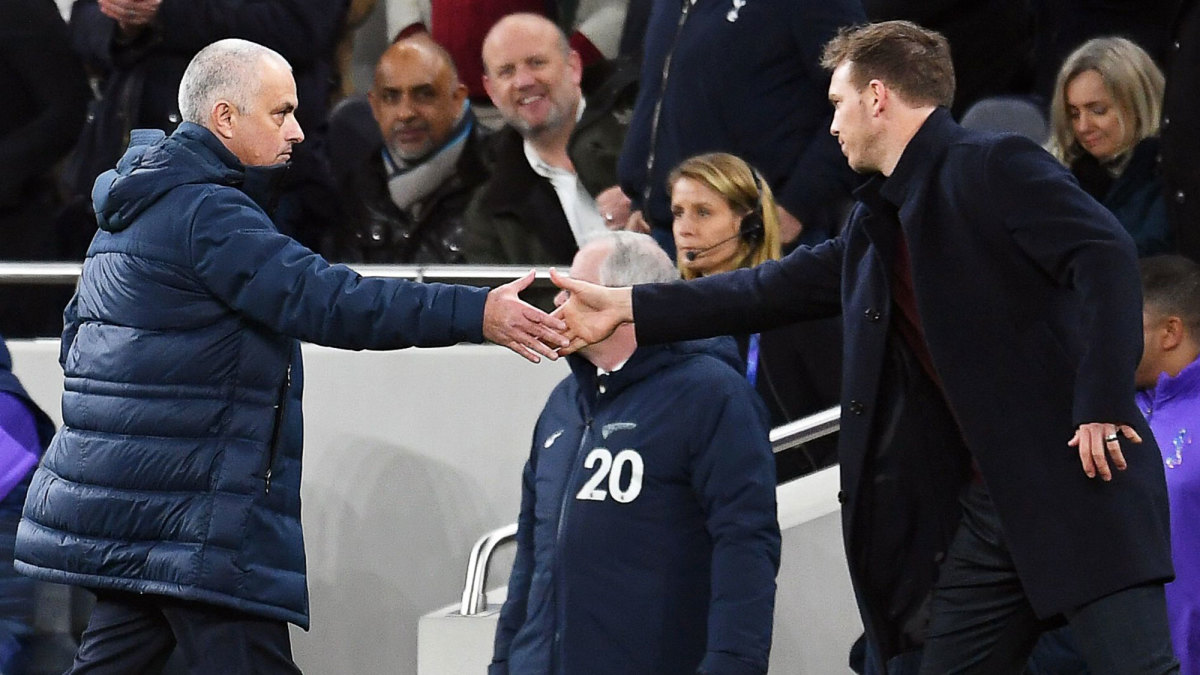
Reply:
x=404, y=203
x=556, y=155
x=173, y=488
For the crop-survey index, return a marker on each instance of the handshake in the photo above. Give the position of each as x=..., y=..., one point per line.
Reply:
x=585, y=313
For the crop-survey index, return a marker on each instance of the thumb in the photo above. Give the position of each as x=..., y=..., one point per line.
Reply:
x=523, y=283
x=563, y=281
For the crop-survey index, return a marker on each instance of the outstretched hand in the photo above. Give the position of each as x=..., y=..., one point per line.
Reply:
x=510, y=321
x=591, y=312
x=1097, y=441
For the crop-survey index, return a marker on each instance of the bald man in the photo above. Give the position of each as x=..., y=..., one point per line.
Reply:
x=173, y=491
x=404, y=202
x=556, y=157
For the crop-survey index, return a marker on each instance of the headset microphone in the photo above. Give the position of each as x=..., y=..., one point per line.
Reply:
x=692, y=255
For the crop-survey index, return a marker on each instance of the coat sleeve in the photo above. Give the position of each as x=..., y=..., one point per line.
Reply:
x=512, y=615
x=270, y=278
x=734, y=478
x=804, y=285
x=1081, y=246
x=302, y=31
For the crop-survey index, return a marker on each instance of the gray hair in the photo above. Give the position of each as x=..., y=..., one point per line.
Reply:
x=225, y=70
x=633, y=258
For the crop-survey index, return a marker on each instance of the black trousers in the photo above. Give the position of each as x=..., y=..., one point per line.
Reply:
x=982, y=622
x=136, y=633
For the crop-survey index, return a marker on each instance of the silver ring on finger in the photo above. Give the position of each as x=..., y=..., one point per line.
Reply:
x=1111, y=438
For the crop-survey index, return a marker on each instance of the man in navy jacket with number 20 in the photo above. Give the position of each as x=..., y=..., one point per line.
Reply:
x=648, y=541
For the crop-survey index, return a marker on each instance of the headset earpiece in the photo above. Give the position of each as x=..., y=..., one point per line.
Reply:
x=752, y=229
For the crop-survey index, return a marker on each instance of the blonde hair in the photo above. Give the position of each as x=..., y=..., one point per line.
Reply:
x=744, y=190
x=1131, y=78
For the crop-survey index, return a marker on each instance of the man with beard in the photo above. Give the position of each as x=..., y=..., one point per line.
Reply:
x=404, y=203
x=557, y=153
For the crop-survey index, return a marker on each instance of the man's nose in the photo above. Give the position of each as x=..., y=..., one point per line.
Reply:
x=294, y=133
x=523, y=78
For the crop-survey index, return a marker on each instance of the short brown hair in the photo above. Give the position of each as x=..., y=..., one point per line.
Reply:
x=910, y=59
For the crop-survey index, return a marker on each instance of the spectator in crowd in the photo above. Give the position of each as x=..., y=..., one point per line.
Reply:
x=24, y=432
x=404, y=203
x=991, y=42
x=173, y=490
x=594, y=27
x=1104, y=126
x=1168, y=380
x=138, y=49
x=991, y=308
x=744, y=79
x=725, y=219
x=648, y=541
x=45, y=91
x=1181, y=131
x=556, y=155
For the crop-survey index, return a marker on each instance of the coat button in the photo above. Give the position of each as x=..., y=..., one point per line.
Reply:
x=1180, y=196
x=856, y=407
x=872, y=314
x=1166, y=122
x=841, y=496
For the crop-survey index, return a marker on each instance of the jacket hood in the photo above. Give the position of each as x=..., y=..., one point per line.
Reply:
x=649, y=359
x=154, y=164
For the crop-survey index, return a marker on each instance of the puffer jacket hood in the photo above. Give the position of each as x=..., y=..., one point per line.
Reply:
x=152, y=167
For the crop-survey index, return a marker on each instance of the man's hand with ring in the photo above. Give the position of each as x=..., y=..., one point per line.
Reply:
x=1097, y=442
x=614, y=207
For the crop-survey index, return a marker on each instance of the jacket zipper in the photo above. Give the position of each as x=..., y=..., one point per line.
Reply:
x=662, y=91
x=279, y=410
x=568, y=495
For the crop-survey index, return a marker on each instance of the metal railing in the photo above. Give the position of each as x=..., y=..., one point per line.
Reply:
x=67, y=273
x=474, y=600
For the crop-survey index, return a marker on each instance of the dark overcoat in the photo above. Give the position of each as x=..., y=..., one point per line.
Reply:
x=1029, y=297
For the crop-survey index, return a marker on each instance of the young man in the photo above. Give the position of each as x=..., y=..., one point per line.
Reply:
x=1168, y=381
x=648, y=541
x=173, y=489
x=992, y=332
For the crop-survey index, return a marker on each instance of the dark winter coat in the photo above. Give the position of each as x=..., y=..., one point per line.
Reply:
x=648, y=541
x=177, y=470
x=1181, y=131
x=375, y=230
x=1029, y=295
x=1135, y=197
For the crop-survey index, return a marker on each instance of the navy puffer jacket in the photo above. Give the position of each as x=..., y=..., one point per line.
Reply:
x=177, y=469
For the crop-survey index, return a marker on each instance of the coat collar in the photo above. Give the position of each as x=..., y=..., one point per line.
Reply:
x=259, y=183
x=923, y=152
x=899, y=195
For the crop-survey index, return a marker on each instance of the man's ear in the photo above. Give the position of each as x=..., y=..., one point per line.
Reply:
x=879, y=98
x=223, y=118
x=487, y=87
x=460, y=94
x=1173, y=333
